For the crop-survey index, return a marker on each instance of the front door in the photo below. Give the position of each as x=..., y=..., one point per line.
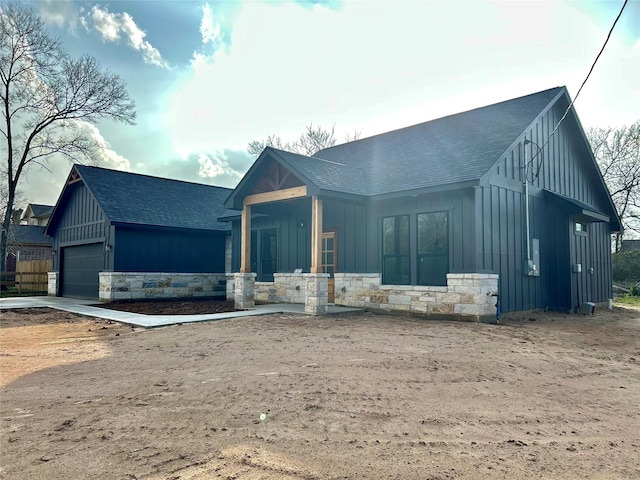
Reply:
x=264, y=253
x=581, y=265
x=330, y=260
x=268, y=254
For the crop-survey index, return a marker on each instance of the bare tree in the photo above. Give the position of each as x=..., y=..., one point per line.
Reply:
x=312, y=140
x=617, y=152
x=47, y=98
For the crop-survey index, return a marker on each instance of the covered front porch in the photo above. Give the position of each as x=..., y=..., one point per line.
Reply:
x=271, y=190
x=315, y=243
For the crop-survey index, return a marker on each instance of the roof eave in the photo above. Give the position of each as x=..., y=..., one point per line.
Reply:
x=426, y=190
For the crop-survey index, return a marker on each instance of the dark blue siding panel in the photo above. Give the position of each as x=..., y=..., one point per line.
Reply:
x=349, y=222
x=565, y=167
x=81, y=222
x=156, y=250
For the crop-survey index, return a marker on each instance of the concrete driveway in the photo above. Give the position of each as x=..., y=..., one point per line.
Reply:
x=88, y=308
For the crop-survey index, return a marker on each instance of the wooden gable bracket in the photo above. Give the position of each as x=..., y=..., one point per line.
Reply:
x=281, y=175
x=75, y=177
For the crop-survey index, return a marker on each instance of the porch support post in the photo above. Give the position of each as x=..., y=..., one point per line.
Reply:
x=244, y=282
x=316, y=283
x=316, y=235
x=245, y=239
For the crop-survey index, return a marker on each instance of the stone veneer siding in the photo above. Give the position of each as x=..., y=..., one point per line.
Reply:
x=467, y=296
x=286, y=288
x=139, y=285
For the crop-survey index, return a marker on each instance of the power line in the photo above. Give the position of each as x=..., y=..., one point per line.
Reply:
x=585, y=80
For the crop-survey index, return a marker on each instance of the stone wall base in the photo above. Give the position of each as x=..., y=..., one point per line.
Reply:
x=316, y=293
x=309, y=289
x=244, y=290
x=286, y=288
x=146, y=285
x=467, y=296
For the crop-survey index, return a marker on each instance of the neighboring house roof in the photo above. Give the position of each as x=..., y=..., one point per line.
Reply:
x=145, y=200
x=630, y=246
x=41, y=210
x=28, y=235
x=36, y=211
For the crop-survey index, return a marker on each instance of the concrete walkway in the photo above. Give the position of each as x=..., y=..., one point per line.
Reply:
x=88, y=308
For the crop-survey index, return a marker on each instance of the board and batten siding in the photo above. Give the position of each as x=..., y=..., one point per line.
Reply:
x=292, y=221
x=459, y=204
x=565, y=166
x=502, y=245
x=139, y=249
x=359, y=230
x=293, y=241
x=82, y=221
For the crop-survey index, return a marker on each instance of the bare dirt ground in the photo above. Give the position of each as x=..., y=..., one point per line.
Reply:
x=357, y=396
x=172, y=307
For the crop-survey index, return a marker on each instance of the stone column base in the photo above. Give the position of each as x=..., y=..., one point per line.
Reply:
x=244, y=296
x=317, y=293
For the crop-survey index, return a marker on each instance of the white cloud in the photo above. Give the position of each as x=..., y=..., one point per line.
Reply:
x=58, y=12
x=112, y=25
x=43, y=184
x=215, y=31
x=209, y=29
x=224, y=168
x=375, y=66
x=106, y=156
x=208, y=168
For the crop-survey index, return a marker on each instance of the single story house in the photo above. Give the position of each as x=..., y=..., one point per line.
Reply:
x=441, y=218
x=120, y=235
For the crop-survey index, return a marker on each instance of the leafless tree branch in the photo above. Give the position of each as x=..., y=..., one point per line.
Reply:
x=43, y=92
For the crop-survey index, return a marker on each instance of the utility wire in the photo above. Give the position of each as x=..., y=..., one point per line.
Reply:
x=585, y=81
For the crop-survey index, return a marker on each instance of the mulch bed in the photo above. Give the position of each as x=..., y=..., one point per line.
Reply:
x=172, y=307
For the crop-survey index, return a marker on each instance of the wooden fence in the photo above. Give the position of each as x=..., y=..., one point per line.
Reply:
x=30, y=276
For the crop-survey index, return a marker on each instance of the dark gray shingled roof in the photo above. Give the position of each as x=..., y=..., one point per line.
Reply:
x=452, y=149
x=145, y=200
x=41, y=210
x=28, y=235
x=325, y=174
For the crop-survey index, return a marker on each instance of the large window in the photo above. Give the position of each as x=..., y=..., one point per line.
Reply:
x=433, y=248
x=395, y=250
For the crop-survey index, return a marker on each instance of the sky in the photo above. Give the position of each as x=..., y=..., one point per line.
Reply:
x=209, y=77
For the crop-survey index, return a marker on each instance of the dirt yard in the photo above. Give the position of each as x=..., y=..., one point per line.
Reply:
x=357, y=396
x=172, y=307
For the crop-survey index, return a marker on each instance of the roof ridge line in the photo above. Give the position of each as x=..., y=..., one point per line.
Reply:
x=445, y=116
x=156, y=177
